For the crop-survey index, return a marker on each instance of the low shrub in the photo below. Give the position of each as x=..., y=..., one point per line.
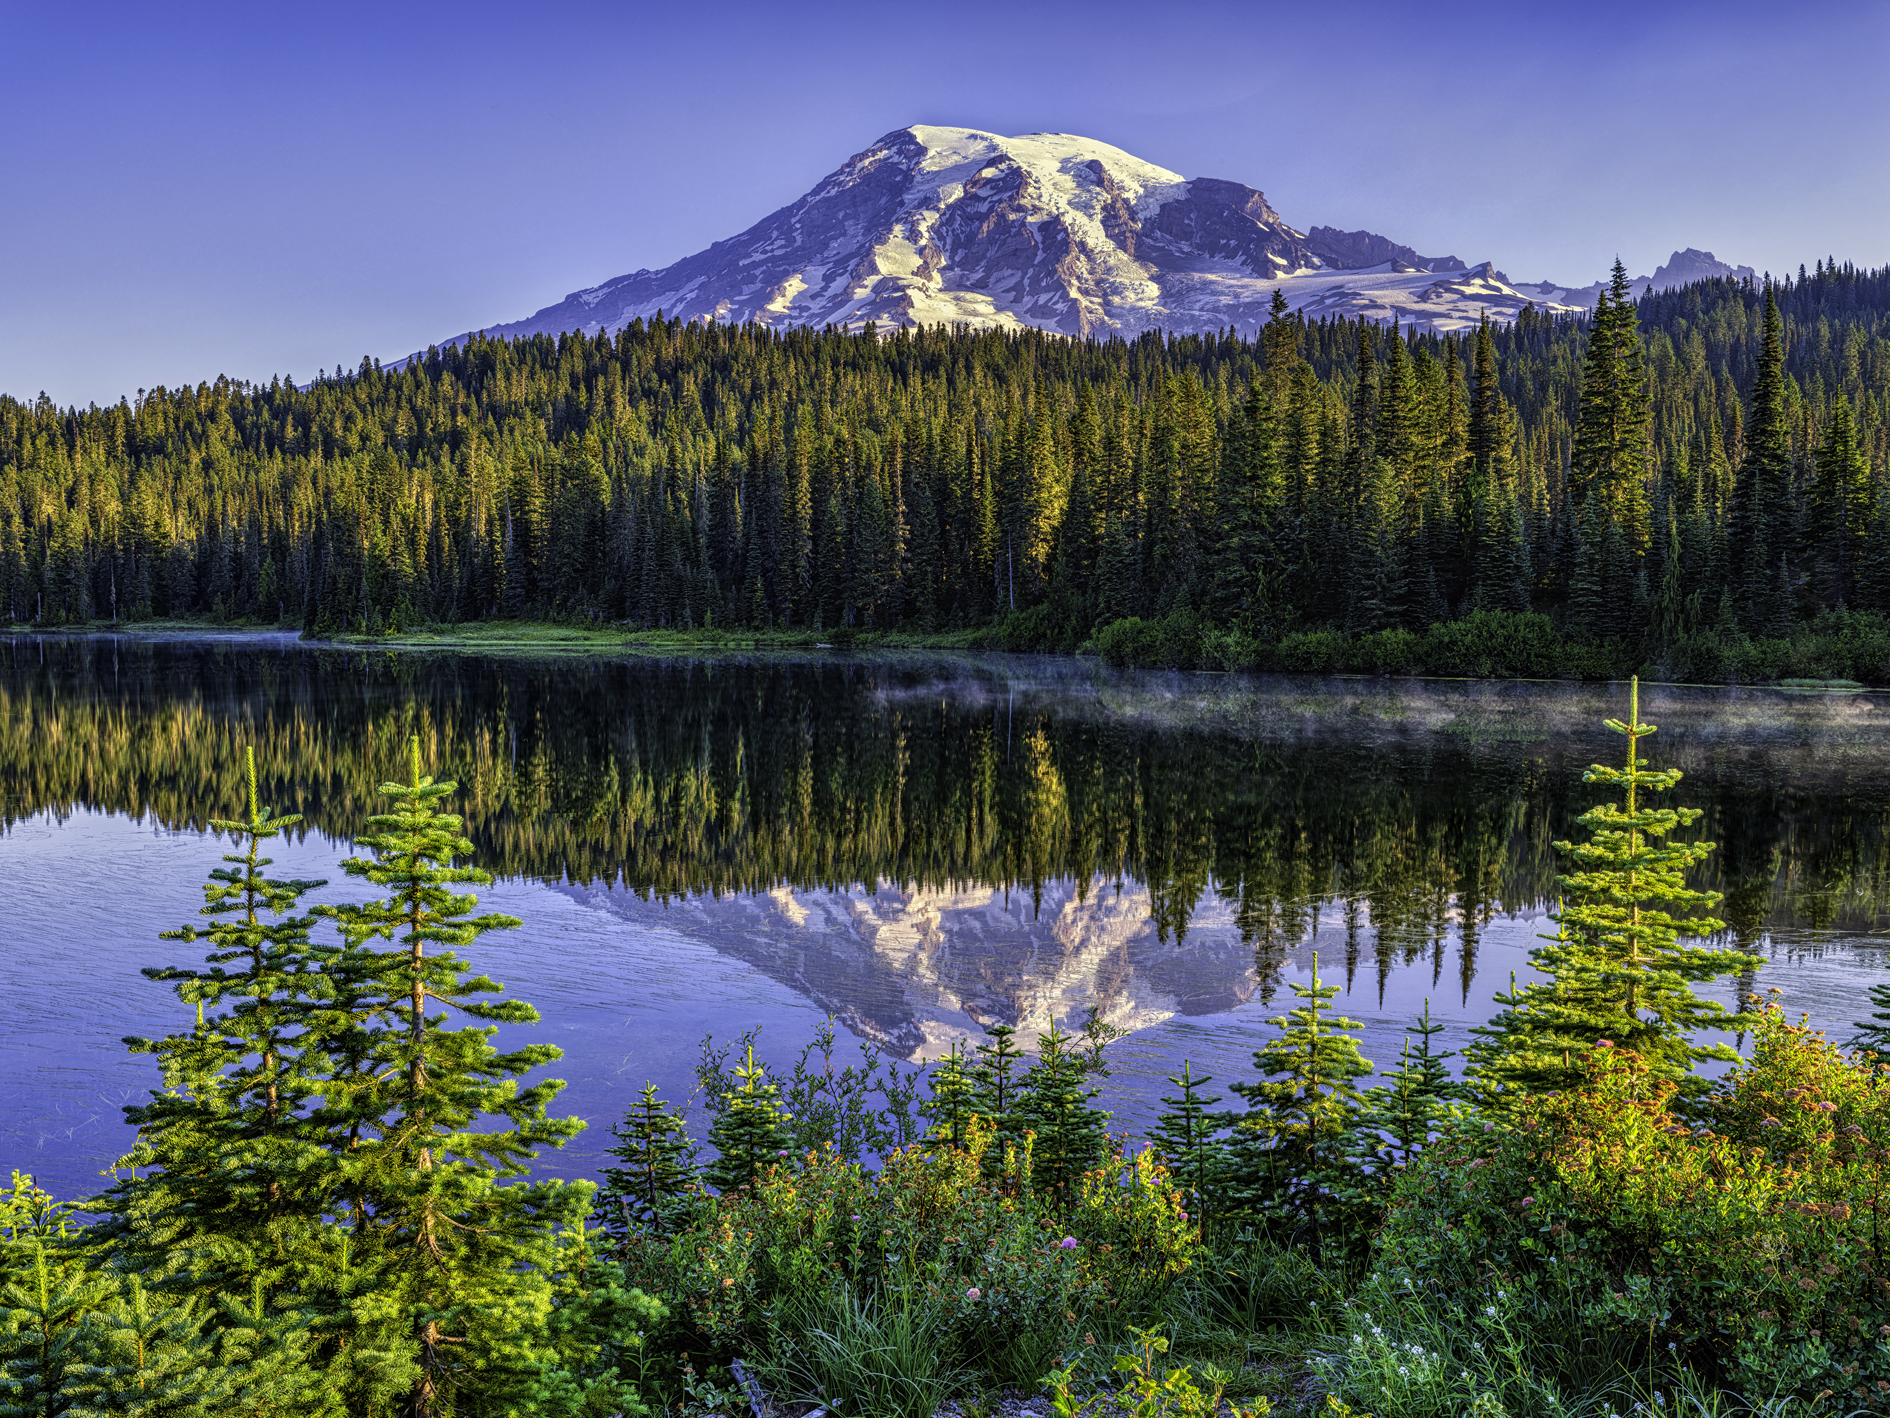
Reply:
x=1751, y=1248
x=1173, y=642
x=1310, y=652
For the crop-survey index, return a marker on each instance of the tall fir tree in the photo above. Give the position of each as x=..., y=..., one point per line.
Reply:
x=224, y=1184
x=1760, y=526
x=1608, y=463
x=462, y=1254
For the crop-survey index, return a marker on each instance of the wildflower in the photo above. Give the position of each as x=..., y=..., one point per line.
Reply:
x=973, y=1293
x=1068, y=1243
x=1604, y=1043
x=856, y=1218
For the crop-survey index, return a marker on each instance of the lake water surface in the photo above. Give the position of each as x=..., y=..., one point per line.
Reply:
x=917, y=847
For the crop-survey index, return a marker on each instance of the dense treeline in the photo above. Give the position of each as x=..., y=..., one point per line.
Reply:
x=1710, y=459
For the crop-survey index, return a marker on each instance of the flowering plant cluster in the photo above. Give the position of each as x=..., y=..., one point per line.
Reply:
x=975, y=1244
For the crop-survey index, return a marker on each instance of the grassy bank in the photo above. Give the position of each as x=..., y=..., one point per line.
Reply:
x=1845, y=647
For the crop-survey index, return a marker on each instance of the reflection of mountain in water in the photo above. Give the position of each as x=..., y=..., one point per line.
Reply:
x=915, y=970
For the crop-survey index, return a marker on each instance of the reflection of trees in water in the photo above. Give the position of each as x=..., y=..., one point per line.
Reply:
x=690, y=776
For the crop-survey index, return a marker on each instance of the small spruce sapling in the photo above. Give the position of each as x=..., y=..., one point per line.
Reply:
x=997, y=1080
x=751, y=1133
x=1287, y=1148
x=953, y=1103
x=1187, y=1138
x=1071, y=1133
x=647, y=1192
x=1873, y=1034
x=1615, y=968
x=1397, y=1119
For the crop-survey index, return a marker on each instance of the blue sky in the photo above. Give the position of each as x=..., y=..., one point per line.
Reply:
x=253, y=190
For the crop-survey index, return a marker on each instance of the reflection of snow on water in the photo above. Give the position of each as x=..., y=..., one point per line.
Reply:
x=628, y=987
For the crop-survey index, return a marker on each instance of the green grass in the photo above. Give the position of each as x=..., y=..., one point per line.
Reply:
x=545, y=635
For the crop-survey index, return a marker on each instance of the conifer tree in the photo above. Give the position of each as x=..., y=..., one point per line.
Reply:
x=1187, y=1137
x=751, y=1133
x=1841, y=503
x=150, y=1356
x=1760, y=525
x=461, y=1261
x=1071, y=1132
x=45, y=1340
x=222, y=1183
x=1873, y=1034
x=1248, y=485
x=998, y=1090
x=647, y=1191
x=1487, y=430
x=954, y=1100
x=1615, y=969
x=1397, y=1119
x=1588, y=608
x=1608, y=463
x=1287, y=1147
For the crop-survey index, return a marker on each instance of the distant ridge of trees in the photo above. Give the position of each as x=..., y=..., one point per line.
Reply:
x=1710, y=458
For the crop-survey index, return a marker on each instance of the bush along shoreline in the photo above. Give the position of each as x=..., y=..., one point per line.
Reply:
x=328, y=1207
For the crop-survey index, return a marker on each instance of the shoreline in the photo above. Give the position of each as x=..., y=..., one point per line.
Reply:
x=535, y=638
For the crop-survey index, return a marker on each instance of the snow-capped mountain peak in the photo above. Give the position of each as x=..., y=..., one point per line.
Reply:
x=937, y=225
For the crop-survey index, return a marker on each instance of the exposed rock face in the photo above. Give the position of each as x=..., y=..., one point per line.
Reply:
x=1685, y=267
x=1355, y=250
x=945, y=225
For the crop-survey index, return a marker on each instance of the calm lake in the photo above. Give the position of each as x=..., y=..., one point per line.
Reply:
x=915, y=846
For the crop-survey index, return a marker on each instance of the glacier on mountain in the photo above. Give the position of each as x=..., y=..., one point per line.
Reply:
x=935, y=225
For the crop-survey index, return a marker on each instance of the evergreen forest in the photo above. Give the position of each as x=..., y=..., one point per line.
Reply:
x=1676, y=479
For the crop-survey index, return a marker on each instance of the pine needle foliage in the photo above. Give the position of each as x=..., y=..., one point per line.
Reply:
x=1070, y=1134
x=656, y=1171
x=1288, y=1146
x=1186, y=1136
x=1615, y=970
x=462, y=1266
x=751, y=1133
x=223, y=1183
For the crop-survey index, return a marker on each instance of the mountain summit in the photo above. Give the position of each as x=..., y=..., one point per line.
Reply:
x=946, y=225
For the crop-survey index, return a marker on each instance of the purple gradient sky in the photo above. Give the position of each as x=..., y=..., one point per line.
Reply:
x=258, y=189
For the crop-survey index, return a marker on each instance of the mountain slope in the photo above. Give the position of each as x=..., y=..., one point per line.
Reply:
x=944, y=225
